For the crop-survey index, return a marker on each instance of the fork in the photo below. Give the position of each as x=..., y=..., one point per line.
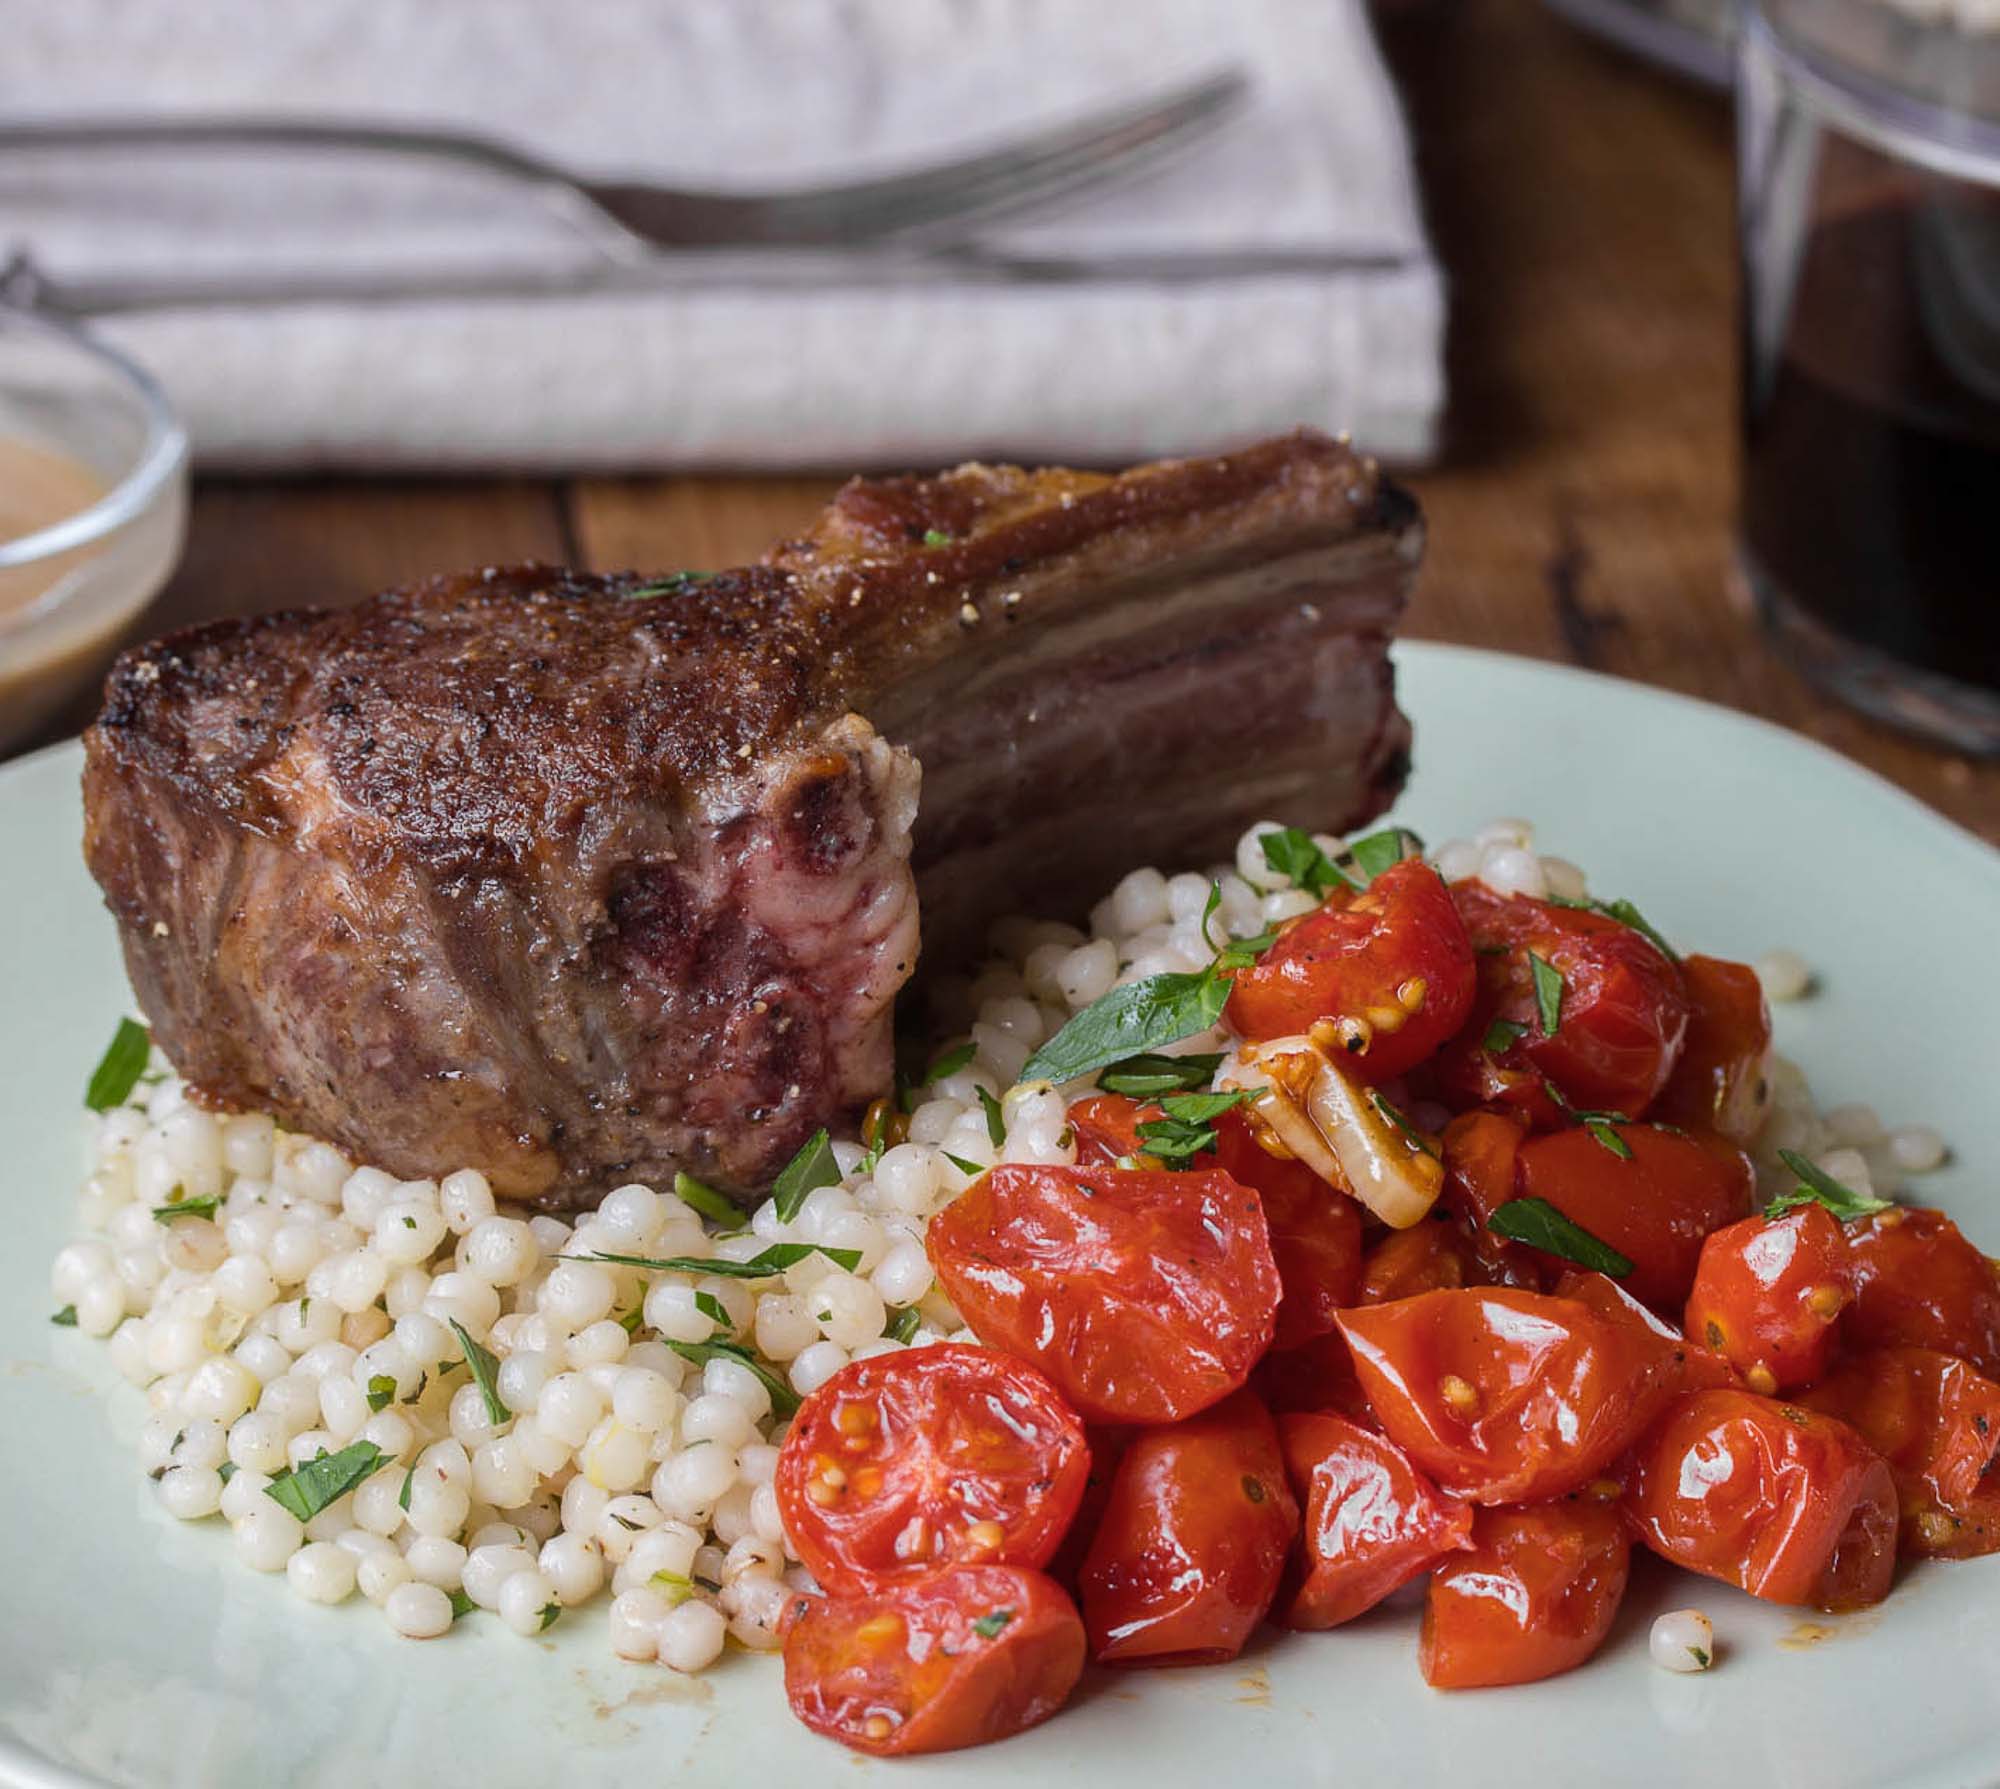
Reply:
x=949, y=197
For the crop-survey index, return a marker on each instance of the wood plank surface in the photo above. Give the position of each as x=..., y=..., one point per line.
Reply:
x=1583, y=509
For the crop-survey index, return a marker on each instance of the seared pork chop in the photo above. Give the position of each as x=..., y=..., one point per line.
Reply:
x=582, y=879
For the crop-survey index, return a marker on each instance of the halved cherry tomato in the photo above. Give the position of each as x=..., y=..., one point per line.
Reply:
x=1188, y=1555
x=1722, y=1081
x=1107, y=1126
x=958, y=1658
x=1315, y=1230
x=1389, y=969
x=1435, y=1255
x=1788, y=1504
x=1107, y=1448
x=1623, y=1013
x=1919, y=1284
x=905, y=1462
x=1700, y=1367
x=1934, y=1419
x=1145, y=1295
x=1654, y=1205
x=1535, y=1596
x=1509, y=1397
x=1480, y=1151
x=1768, y=1294
x=1318, y=1375
x=1373, y=1520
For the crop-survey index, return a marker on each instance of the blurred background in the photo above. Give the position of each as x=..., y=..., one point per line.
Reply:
x=1497, y=240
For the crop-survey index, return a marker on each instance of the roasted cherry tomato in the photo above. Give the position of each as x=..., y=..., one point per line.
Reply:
x=963, y=1656
x=1315, y=1230
x=1781, y=1501
x=1919, y=1284
x=1107, y=1127
x=1318, y=1375
x=1768, y=1294
x=1509, y=1397
x=1373, y=1520
x=1107, y=1448
x=1145, y=1295
x=1480, y=1152
x=905, y=1462
x=1654, y=1202
x=1722, y=1081
x=1935, y=1420
x=1700, y=1367
x=1435, y=1255
x=1534, y=1596
x=1388, y=971
x=1623, y=1010
x=1193, y=1540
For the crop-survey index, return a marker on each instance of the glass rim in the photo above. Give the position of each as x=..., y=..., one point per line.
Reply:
x=162, y=453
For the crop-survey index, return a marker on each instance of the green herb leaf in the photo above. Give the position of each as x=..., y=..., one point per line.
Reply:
x=1537, y=1223
x=1700, y=1656
x=1383, y=850
x=403, y=1496
x=705, y=1199
x=185, y=1208
x=1501, y=1035
x=1293, y=855
x=949, y=1063
x=1138, y=1017
x=1187, y=1130
x=1404, y=1123
x=903, y=1324
x=483, y=1366
x=990, y=1625
x=226, y=1471
x=307, y=1489
x=1605, y=1137
x=119, y=1069
x=1625, y=914
x=629, y=1321
x=1548, y=993
x=714, y=1310
x=1818, y=1187
x=784, y=1401
x=975, y=1169
x=936, y=537
x=461, y=1604
x=381, y=1388
x=813, y=1167
x=996, y=1123
x=1240, y=953
x=670, y=585
x=768, y=1261
x=1147, y=1077
x=550, y=1612
x=65, y=1318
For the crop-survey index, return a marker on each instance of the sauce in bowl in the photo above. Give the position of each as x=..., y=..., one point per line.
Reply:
x=39, y=487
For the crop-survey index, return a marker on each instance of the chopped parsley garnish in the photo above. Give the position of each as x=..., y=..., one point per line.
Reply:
x=936, y=537
x=1818, y=1187
x=461, y=1604
x=948, y=1063
x=1147, y=1077
x=1293, y=855
x=1605, y=1137
x=1537, y=1223
x=629, y=1321
x=1548, y=993
x=714, y=1310
x=768, y=1261
x=118, y=1070
x=784, y=1401
x=903, y=1325
x=1188, y=1128
x=705, y=1199
x=996, y=1124
x=1403, y=1122
x=185, y=1208
x=484, y=1367
x=550, y=1611
x=1626, y=915
x=1501, y=1035
x=812, y=1168
x=990, y=1625
x=670, y=585
x=65, y=1318
x=1700, y=1656
x=306, y=1489
x=226, y=1471
x=381, y=1390
x=1383, y=850
x=974, y=1169
x=403, y=1496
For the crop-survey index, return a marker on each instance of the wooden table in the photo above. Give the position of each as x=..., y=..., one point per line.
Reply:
x=1582, y=513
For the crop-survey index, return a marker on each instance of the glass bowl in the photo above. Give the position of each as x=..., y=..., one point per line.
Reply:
x=69, y=590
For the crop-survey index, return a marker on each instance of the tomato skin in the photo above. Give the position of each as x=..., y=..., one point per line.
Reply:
x=1431, y=1256
x=1373, y=1520
x=1361, y=957
x=1146, y=1295
x=1481, y=1150
x=1193, y=1541
x=1317, y=1375
x=1624, y=1010
x=1935, y=1420
x=951, y=1437
x=1315, y=1231
x=1505, y=1396
x=1534, y=1596
x=1721, y=1082
x=1919, y=1284
x=1788, y=1504
x=1655, y=1209
x=1768, y=1294
x=1107, y=1126
x=906, y=1670
x=1699, y=1366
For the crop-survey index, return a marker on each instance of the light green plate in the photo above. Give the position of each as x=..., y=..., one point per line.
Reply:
x=134, y=1650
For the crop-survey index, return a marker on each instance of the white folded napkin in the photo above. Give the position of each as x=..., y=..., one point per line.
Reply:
x=835, y=367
